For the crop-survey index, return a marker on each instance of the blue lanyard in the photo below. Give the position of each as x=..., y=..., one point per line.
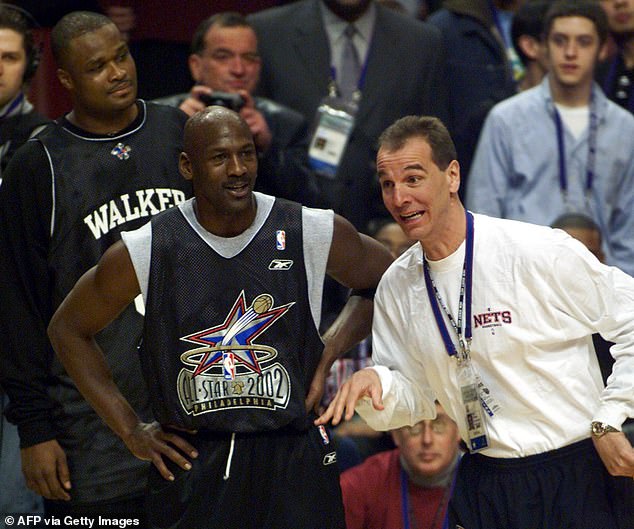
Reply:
x=405, y=509
x=466, y=289
x=610, y=79
x=592, y=148
x=360, y=83
x=404, y=500
x=364, y=68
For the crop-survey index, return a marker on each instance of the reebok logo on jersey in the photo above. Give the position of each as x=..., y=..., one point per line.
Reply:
x=280, y=264
x=330, y=458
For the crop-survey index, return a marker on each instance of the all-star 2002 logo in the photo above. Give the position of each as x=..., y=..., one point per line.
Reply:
x=229, y=369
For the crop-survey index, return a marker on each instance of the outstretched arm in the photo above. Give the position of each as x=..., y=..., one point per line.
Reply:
x=362, y=384
x=97, y=299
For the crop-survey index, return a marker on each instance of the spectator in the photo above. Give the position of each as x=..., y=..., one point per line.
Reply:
x=581, y=227
x=308, y=62
x=253, y=341
x=107, y=165
x=360, y=83
x=408, y=486
x=224, y=59
x=617, y=74
x=481, y=66
x=392, y=236
x=562, y=146
x=526, y=32
x=19, y=56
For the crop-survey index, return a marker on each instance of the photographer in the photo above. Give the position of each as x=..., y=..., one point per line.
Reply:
x=225, y=64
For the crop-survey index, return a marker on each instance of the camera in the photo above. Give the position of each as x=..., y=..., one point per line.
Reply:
x=223, y=99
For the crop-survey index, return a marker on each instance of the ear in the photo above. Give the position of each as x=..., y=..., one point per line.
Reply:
x=195, y=66
x=65, y=79
x=529, y=46
x=185, y=166
x=396, y=437
x=604, y=51
x=453, y=175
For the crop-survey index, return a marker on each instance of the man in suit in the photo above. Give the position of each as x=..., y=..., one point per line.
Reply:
x=400, y=72
x=482, y=67
x=225, y=65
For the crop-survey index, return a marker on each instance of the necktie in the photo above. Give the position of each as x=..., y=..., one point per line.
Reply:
x=350, y=66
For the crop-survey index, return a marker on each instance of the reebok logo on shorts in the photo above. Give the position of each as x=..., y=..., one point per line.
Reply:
x=330, y=458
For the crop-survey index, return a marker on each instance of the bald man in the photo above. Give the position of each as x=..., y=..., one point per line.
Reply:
x=231, y=353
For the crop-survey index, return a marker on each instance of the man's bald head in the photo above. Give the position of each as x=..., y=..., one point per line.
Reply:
x=207, y=123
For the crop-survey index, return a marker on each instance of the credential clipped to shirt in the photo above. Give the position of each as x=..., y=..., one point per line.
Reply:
x=515, y=173
x=538, y=296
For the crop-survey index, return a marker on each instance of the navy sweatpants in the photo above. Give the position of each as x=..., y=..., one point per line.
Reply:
x=567, y=488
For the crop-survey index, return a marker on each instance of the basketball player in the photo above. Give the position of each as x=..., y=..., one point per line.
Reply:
x=231, y=341
x=106, y=166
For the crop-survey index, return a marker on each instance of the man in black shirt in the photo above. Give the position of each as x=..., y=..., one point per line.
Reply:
x=231, y=353
x=107, y=165
x=616, y=75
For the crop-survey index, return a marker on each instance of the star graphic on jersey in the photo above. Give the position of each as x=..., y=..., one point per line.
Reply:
x=241, y=327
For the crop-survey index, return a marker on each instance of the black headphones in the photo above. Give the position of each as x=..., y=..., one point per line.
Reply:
x=33, y=51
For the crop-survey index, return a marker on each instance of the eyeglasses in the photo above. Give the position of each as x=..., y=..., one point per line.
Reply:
x=438, y=425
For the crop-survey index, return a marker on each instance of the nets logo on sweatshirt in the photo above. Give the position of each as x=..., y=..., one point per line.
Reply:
x=143, y=203
x=492, y=319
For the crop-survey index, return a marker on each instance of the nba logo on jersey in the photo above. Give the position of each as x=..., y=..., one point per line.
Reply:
x=228, y=366
x=280, y=240
x=324, y=434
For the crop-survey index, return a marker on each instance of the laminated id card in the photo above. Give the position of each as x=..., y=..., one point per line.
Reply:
x=474, y=413
x=334, y=124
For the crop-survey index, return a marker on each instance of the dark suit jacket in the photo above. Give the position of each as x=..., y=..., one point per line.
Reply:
x=403, y=76
x=283, y=170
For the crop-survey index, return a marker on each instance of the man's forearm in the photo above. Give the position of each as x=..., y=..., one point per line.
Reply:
x=353, y=324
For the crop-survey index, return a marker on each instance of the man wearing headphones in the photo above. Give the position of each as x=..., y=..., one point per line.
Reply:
x=19, y=58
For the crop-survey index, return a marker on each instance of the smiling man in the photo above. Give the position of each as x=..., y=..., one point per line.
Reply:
x=225, y=59
x=494, y=318
x=106, y=166
x=562, y=146
x=232, y=355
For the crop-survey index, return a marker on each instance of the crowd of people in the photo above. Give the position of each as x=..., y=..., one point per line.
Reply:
x=216, y=303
